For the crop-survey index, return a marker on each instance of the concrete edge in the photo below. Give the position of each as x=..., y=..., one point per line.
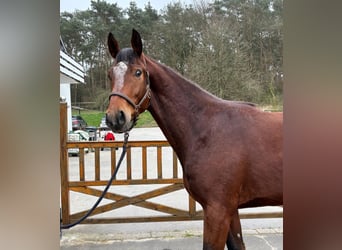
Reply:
x=77, y=238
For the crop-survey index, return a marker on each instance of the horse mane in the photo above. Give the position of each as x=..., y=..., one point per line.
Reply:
x=200, y=88
x=246, y=103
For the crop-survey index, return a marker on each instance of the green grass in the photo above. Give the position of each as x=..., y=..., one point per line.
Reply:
x=146, y=120
x=93, y=118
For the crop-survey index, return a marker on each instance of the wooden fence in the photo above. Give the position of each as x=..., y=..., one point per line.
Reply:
x=159, y=184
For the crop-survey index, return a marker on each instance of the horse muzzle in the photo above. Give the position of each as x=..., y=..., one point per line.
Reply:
x=119, y=122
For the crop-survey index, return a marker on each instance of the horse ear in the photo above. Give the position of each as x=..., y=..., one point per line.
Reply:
x=113, y=45
x=136, y=42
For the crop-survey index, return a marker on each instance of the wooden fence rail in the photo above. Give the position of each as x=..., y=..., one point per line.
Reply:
x=89, y=184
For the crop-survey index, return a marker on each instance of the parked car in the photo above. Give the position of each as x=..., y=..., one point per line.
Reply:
x=78, y=123
x=76, y=136
x=92, y=131
x=103, y=129
x=103, y=123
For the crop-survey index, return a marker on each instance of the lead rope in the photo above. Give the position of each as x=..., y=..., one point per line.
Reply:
x=124, y=149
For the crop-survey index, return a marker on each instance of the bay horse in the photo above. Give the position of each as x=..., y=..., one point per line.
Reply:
x=230, y=151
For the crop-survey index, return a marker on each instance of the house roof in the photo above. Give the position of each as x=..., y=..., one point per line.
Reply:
x=70, y=70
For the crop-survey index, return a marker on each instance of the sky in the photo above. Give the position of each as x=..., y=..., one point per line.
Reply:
x=72, y=5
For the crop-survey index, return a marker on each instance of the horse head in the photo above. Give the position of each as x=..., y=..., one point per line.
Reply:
x=130, y=84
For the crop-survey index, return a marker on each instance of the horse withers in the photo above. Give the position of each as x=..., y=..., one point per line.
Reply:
x=230, y=151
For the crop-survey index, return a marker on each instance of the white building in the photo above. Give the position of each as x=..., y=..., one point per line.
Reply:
x=71, y=72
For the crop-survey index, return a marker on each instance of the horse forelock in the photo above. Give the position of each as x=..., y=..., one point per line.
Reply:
x=126, y=55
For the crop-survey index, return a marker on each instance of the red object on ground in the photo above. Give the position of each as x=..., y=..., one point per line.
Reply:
x=109, y=137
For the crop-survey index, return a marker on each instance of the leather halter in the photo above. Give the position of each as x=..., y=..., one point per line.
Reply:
x=147, y=95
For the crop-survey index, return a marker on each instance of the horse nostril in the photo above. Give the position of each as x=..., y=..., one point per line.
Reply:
x=120, y=118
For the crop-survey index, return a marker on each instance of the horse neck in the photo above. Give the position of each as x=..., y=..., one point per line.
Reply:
x=176, y=105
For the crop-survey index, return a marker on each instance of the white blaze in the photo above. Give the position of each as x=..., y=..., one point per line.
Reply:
x=119, y=72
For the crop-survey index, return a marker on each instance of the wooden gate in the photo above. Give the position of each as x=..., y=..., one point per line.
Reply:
x=90, y=180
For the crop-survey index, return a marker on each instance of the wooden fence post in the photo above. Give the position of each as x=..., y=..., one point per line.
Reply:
x=65, y=210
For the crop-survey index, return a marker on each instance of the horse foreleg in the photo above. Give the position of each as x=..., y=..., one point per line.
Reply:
x=234, y=239
x=216, y=227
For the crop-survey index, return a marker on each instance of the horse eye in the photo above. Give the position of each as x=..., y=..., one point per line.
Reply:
x=138, y=73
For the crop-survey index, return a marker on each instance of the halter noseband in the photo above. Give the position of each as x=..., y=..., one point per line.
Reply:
x=129, y=100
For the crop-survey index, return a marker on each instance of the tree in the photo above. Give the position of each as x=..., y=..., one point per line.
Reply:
x=244, y=44
x=233, y=48
x=175, y=35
